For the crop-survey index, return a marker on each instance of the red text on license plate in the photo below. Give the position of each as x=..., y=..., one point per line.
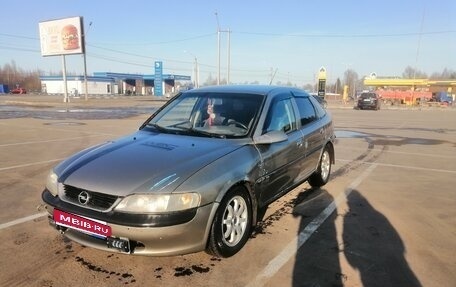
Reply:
x=81, y=223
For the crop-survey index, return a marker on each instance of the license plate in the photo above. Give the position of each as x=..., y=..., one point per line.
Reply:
x=86, y=225
x=367, y=100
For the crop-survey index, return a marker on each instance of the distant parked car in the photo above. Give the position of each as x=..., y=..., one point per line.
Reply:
x=196, y=173
x=368, y=100
x=19, y=91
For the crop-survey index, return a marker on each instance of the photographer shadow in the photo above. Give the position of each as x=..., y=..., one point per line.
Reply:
x=373, y=246
x=316, y=261
x=369, y=242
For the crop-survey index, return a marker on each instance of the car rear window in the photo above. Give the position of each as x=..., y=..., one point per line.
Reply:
x=306, y=110
x=368, y=95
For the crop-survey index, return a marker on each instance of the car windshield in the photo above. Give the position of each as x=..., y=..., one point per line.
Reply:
x=223, y=115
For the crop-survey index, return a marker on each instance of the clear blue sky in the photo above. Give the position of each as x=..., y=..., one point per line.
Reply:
x=296, y=37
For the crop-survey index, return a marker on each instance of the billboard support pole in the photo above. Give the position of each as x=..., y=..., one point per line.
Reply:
x=86, y=89
x=65, y=86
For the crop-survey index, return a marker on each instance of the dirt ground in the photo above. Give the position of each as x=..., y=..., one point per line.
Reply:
x=386, y=218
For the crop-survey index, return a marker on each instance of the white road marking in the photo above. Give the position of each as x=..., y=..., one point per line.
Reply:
x=290, y=250
x=22, y=220
x=30, y=164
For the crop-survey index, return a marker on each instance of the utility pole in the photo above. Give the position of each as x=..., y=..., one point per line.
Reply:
x=228, y=56
x=219, y=31
x=195, y=68
x=196, y=73
x=218, y=49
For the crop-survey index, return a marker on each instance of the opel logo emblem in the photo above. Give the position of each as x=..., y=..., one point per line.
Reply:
x=84, y=197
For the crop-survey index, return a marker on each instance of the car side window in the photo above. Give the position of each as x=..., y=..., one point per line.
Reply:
x=321, y=112
x=280, y=117
x=306, y=110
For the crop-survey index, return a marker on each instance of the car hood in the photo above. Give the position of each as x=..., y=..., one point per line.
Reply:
x=142, y=162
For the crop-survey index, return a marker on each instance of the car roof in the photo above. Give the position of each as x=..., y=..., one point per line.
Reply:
x=244, y=89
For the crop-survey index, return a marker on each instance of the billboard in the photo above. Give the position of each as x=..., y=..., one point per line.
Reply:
x=61, y=37
x=322, y=82
x=158, y=80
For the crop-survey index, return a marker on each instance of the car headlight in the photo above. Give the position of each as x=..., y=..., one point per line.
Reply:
x=158, y=203
x=52, y=183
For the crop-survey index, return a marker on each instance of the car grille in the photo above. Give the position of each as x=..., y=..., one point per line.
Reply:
x=97, y=200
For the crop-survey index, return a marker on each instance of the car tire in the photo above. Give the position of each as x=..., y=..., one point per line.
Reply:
x=232, y=224
x=321, y=176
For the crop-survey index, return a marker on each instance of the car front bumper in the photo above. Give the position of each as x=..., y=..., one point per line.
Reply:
x=154, y=239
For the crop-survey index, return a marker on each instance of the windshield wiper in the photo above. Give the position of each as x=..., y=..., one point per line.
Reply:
x=158, y=127
x=198, y=132
x=201, y=132
x=188, y=130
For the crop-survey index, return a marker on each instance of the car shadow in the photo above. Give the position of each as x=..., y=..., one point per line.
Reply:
x=369, y=242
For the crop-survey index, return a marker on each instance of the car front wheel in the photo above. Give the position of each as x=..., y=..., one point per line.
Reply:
x=321, y=175
x=231, y=226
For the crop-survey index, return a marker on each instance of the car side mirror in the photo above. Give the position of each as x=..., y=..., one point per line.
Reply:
x=271, y=137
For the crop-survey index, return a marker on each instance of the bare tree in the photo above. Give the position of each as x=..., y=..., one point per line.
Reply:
x=412, y=73
x=351, y=80
x=446, y=74
x=13, y=76
x=308, y=87
x=210, y=81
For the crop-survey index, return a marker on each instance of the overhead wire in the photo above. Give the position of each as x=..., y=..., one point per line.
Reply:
x=4, y=46
x=346, y=35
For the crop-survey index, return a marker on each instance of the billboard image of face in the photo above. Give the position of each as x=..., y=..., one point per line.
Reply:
x=61, y=37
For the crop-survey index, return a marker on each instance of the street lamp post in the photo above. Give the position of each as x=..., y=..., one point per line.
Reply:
x=219, y=31
x=196, y=73
x=229, y=58
x=218, y=49
x=195, y=68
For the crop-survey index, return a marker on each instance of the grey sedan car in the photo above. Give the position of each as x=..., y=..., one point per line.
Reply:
x=195, y=174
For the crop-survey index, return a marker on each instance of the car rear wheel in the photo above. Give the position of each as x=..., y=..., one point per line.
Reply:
x=231, y=226
x=321, y=176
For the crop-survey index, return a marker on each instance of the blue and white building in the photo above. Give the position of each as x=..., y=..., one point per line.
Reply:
x=107, y=83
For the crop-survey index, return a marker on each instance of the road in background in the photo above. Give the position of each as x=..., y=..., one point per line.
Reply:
x=386, y=218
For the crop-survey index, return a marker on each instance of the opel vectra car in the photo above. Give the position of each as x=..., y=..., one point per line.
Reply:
x=195, y=174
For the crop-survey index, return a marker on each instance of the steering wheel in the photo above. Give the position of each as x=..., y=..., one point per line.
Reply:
x=238, y=124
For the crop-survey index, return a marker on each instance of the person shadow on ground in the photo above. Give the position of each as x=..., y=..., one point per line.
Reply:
x=317, y=260
x=373, y=246
x=369, y=242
